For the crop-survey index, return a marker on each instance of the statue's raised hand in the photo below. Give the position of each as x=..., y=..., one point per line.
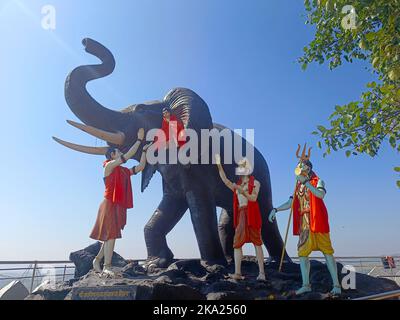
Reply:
x=218, y=159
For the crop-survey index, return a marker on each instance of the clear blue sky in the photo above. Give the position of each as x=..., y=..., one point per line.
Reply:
x=239, y=56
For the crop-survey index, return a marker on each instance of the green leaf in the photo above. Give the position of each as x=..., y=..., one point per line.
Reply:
x=348, y=153
x=360, y=126
x=397, y=169
x=398, y=183
x=392, y=141
x=370, y=36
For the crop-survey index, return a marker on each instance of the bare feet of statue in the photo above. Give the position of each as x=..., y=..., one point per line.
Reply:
x=108, y=271
x=336, y=291
x=303, y=289
x=261, y=277
x=236, y=276
x=96, y=265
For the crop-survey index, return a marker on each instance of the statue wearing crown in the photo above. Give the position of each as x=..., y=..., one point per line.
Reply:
x=310, y=221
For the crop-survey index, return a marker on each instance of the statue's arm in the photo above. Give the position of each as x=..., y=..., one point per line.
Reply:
x=132, y=151
x=143, y=160
x=224, y=179
x=319, y=191
x=222, y=174
x=285, y=206
x=110, y=166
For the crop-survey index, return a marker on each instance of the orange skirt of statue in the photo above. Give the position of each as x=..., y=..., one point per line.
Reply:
x=244, y=233
x=111, y=219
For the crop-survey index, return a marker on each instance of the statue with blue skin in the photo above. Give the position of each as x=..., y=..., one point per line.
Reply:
x=310, y=221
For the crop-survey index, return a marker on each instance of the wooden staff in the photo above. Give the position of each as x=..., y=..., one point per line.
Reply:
x=287, y=229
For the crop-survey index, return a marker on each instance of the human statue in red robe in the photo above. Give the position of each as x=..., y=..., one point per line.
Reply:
x=118, y=197
x=246, y=215
x=172, y=130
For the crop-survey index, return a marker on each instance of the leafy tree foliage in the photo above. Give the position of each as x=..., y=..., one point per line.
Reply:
x=367, y=30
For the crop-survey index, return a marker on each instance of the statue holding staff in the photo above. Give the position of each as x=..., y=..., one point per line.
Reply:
x=310, y=221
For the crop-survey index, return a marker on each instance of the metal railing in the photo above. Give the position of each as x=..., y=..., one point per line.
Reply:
x=35, y=266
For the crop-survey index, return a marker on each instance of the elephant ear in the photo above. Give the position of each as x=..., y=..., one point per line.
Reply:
x=147, y=174
x=182, y=112
x=189, y=108
x=185, y=104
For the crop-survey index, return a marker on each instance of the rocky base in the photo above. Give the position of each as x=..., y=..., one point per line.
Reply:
x=193, y=280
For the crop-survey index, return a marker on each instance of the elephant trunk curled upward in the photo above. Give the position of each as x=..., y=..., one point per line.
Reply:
x=196, y=187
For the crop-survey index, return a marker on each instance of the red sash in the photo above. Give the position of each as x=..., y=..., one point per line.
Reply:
x=118, y=186
x=318, y=212
x=253, y=210
x=177, y=129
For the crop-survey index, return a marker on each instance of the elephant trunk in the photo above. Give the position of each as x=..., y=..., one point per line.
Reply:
x=81, y=103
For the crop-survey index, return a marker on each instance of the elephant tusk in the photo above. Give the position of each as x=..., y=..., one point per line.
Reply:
x=114, y=138
x=84, y=149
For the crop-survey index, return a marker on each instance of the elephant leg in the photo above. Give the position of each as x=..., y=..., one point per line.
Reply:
x=204, y=218
x=169, y=212
x=226, y=233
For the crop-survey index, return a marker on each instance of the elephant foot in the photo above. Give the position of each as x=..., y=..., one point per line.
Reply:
x=156, y=263
x=212, y=262
x=161, y=261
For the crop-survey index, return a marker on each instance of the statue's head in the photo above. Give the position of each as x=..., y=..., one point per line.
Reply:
x=304, y=166
x=113, y=153
x=243, y=168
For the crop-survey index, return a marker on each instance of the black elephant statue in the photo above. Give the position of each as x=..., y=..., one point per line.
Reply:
x=196, y=187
